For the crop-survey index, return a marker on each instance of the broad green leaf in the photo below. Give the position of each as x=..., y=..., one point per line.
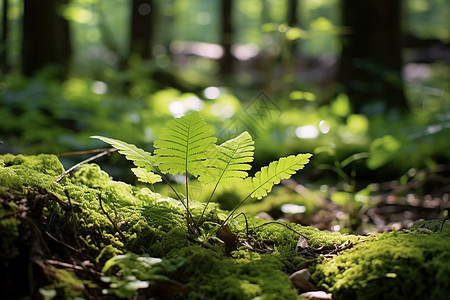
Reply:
x=229, y=161
x=145, y=176
x=140, y=158
x=185, y=146
x=268, y=176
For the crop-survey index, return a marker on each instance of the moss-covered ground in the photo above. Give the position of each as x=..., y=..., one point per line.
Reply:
x=88, y=236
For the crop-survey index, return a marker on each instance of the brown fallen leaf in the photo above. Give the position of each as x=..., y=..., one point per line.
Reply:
x=302, y=243
x=229, y=237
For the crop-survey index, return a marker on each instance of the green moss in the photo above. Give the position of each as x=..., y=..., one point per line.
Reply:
x=431, y=225
x=22, y=171
x=107, y=252
x=378, y=266
x=67, y=285
x=173, y=239
x=392, y=265
x=43, y=163
x=142, y=216
x=211, y=274
x=283, y=233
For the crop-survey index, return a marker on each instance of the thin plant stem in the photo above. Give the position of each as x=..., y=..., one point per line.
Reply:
x=207, y=203
x=246, y=222
x=75, y=227
x=215, y=188
x=285, y=225
x=234, y=210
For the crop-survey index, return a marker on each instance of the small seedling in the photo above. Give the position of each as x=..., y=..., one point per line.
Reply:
x=187, y=146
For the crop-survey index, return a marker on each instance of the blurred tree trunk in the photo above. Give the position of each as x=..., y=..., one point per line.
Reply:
x=292, y=21
x=371, y=60
x=226, y=38
x=142, y=25
x=4, y=39
x=45, y=37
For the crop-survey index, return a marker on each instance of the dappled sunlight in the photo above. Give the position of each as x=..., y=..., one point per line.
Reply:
x=99, y=87
x=324, y=126
x=207, y=50
x=211, y=92
x=307, y=132
x=181, y=107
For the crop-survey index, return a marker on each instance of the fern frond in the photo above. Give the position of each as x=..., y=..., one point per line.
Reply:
x=140, y=158
x=268, y=176
x=184, y=146
x=230, y=161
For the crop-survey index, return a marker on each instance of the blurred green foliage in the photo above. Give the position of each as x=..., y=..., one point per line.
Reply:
x=40, y=115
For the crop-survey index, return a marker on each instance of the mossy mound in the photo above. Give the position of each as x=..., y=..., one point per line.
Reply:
x=142, y=217
x=87, y=216
x=394, y=265
x=57, y=236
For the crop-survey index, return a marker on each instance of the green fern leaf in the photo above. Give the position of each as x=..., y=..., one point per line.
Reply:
x=145, y=176
x=268, y=176
x=140, y=158
x=230, y=160
x=185, y=146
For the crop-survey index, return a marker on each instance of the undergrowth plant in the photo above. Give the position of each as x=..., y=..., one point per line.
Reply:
x=187, y=147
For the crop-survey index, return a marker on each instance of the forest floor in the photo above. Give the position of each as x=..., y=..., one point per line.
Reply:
x=91, y=237
x=389, y=212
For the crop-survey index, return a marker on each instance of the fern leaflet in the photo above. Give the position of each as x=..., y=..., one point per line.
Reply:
x=140, y=158
x=184, y=146
x=268, y=176
x=230, y=163
x=145, y=176
x=230, y=160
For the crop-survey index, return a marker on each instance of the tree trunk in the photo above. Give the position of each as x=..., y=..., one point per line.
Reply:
x=45, y=39
x=4, y=39
x=371, y=61
x=292, y=21
x=226, y=40
x=143, y=13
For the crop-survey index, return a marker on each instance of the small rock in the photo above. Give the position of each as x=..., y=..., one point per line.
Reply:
x=317, y=295
x=264, y=216
x=302, y=280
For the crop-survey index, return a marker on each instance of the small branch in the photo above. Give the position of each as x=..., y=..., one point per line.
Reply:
x=109, y=218
x=84, y=266
x=85, y=152
x=73, y=219
x=62, y=243
x=12, y=213
x=38, y=231
x=103, y=153
x=63, y=265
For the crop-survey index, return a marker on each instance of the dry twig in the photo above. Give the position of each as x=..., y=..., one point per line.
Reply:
x=102, y=153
